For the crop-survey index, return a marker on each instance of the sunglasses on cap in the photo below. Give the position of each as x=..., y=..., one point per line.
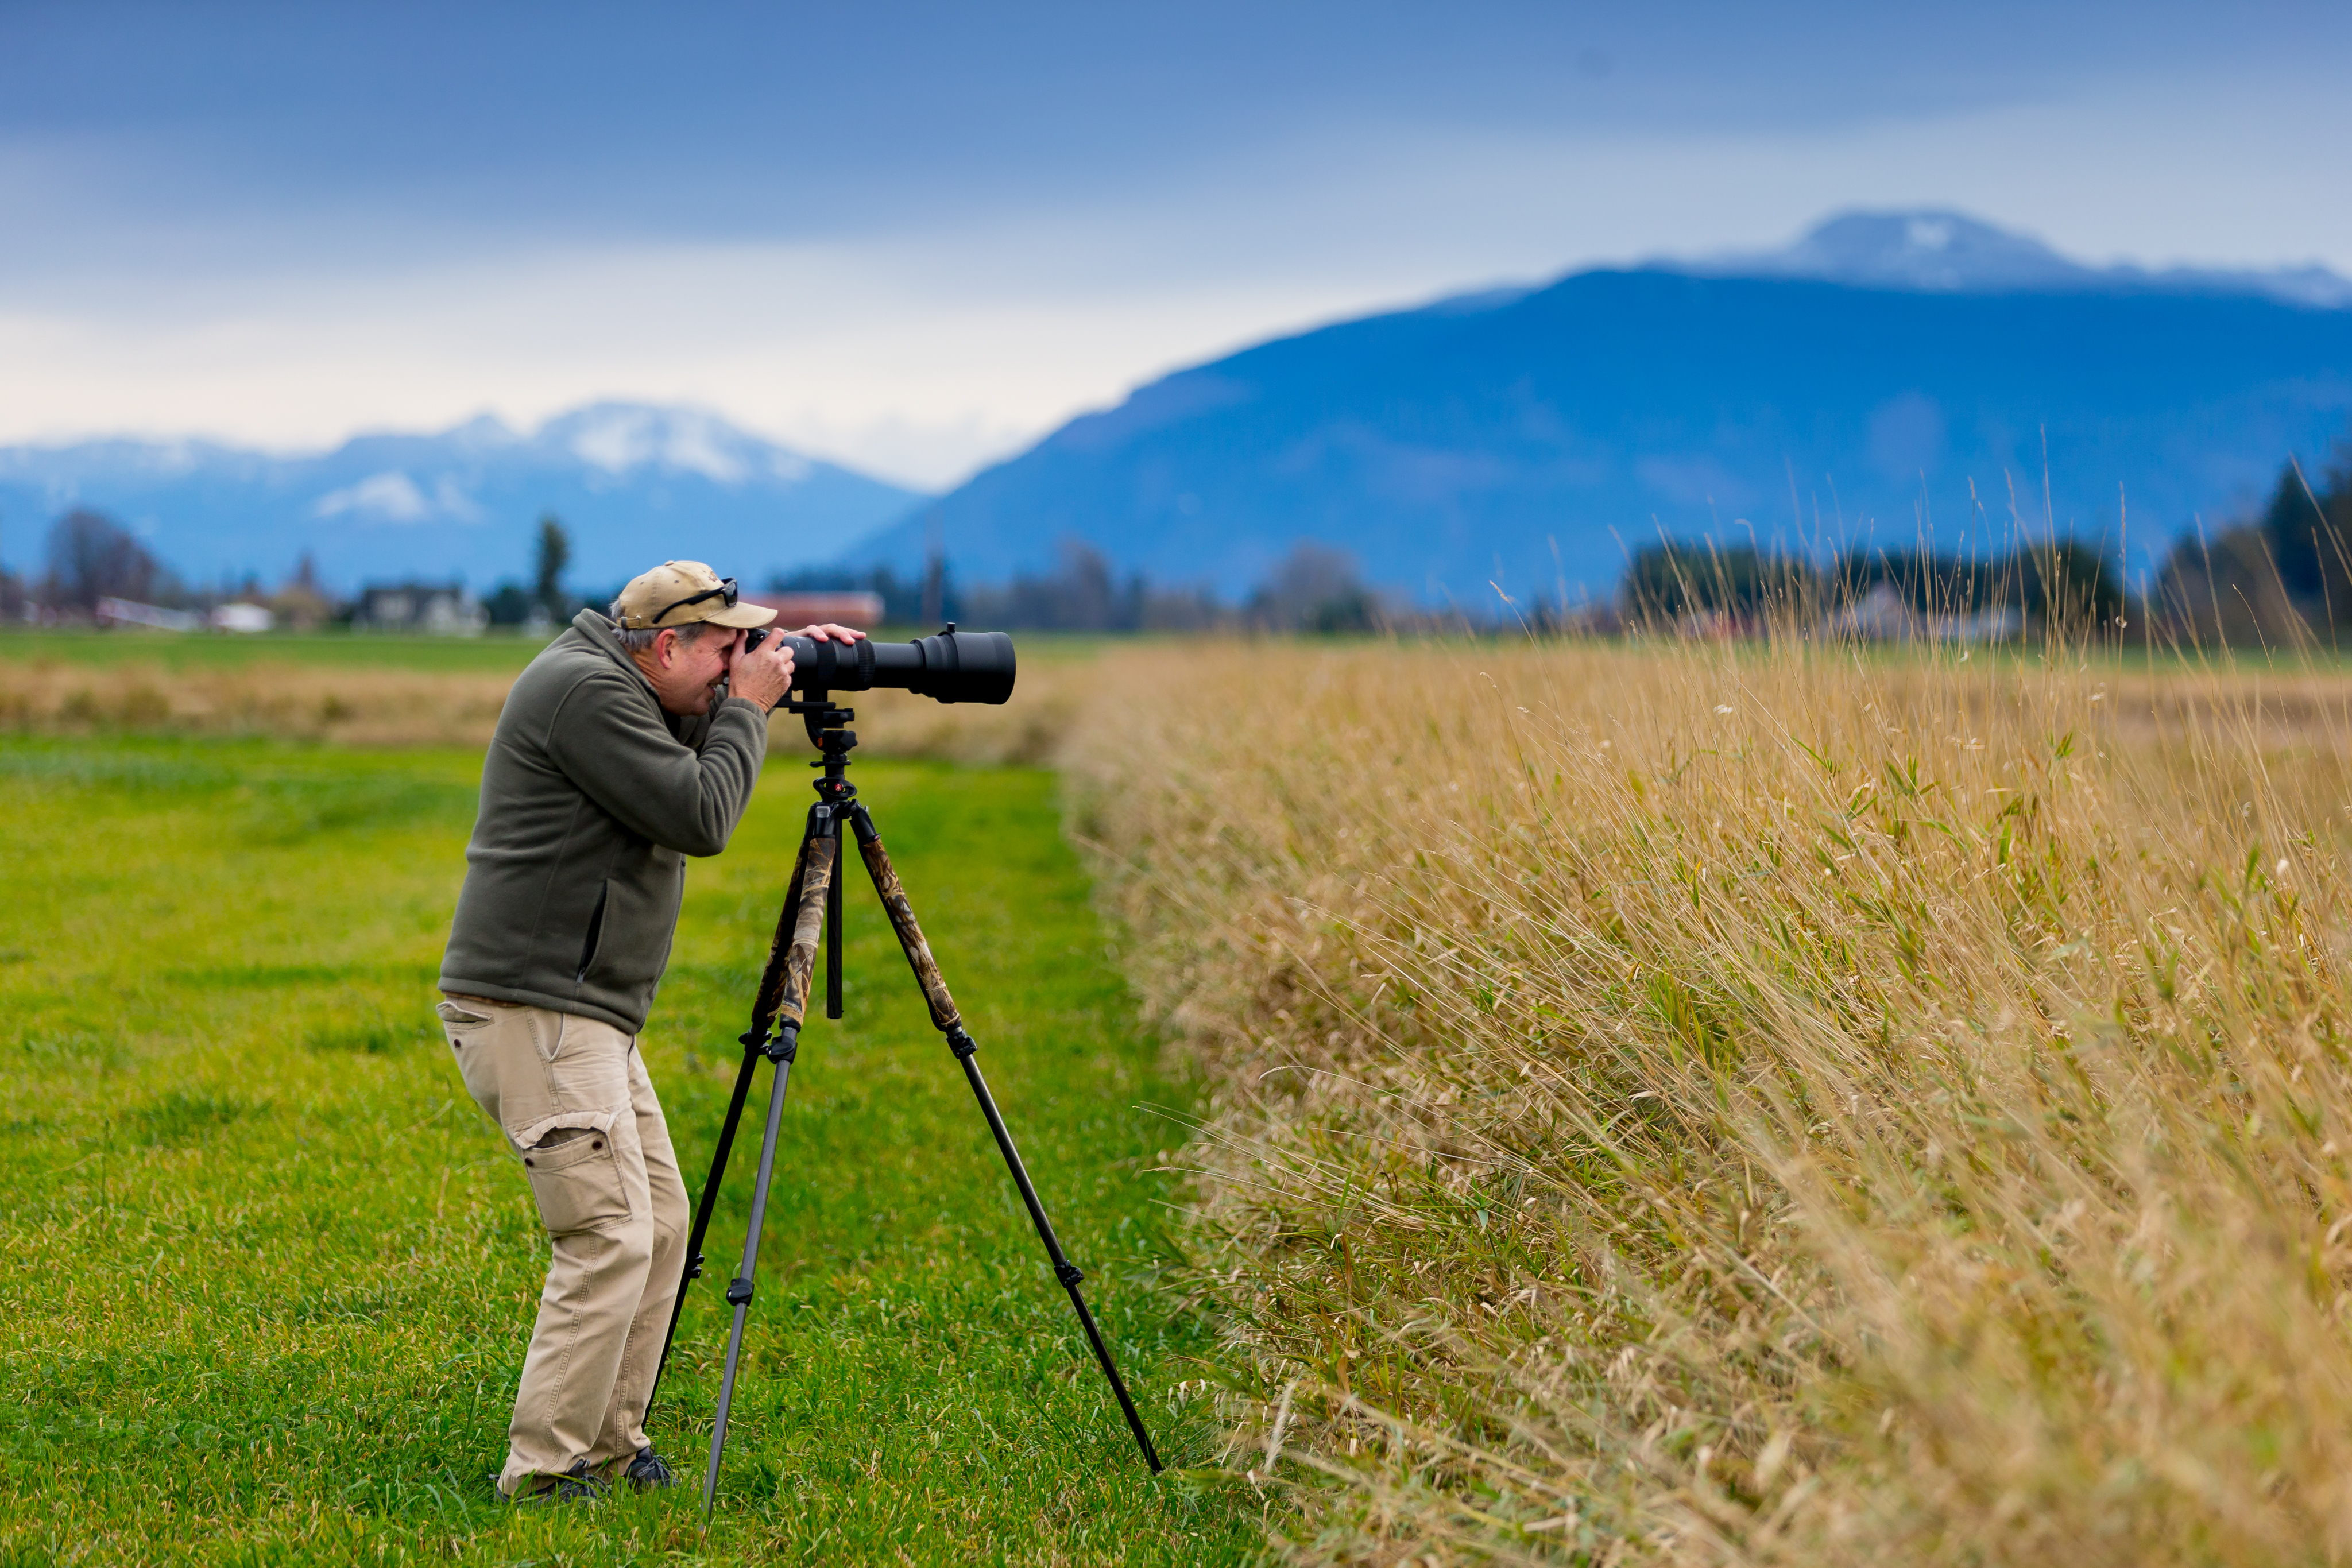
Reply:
x=726, y=593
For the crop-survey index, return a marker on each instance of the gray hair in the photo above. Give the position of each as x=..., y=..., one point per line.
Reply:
x=642, y=639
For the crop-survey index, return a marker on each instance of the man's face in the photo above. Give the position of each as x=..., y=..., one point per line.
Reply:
x=685, y=674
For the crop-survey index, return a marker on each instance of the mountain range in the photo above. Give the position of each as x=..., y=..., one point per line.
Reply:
x=1904, y=377
x=627, y=481
x=1939, y=251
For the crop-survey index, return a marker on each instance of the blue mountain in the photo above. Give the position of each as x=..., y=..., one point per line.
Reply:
x=1903, y=377
x=634, y=485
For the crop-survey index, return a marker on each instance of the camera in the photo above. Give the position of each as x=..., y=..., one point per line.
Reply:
x=951, y=667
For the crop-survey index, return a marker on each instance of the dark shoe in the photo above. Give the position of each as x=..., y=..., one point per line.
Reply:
x=575, y=1485
x=648, y=1470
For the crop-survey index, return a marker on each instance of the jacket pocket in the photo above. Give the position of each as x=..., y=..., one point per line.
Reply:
x=595, y=931
x=575, y=1173
x=640, y=906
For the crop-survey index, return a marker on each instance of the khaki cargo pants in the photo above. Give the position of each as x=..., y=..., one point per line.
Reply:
x=572, y=1096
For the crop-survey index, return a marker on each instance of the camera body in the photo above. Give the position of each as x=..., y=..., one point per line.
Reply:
x=952, y=667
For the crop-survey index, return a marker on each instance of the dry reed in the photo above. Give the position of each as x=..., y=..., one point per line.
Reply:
x=1716, y=1104
x=356, y=707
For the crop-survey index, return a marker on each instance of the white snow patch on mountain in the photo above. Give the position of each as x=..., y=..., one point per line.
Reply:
x=619, y=438
x=394, y=498
x=1937, y=251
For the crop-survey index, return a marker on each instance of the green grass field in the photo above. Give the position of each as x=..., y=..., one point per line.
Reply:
x=270, y=1270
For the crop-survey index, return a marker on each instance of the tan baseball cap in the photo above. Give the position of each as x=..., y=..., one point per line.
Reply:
x=680, y=592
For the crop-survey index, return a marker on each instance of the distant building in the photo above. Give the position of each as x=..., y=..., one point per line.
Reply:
x=1883, y=616
x=130, y=613
x=845, y=608
x=242, y=617
x=439, y=609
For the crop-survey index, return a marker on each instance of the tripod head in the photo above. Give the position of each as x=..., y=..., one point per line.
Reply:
x=823, y=719
x=826, y=725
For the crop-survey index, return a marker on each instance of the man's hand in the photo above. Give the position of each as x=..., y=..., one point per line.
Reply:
x=763, y=676
x=830, y=632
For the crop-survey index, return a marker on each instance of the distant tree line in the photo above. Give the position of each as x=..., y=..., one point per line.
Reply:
x=1082, y=593
x=2279, y=578
x=2062, y=581
x=1314, y=588
x=92, y=556
x=906, y=600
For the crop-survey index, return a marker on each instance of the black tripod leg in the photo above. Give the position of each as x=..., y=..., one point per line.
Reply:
x=946, y=1020
x=692, y=1269
x=833, y=945
x=1067, y=1272
x=739, y=1289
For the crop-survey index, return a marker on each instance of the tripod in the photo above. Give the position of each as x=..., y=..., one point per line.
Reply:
x=813, y=906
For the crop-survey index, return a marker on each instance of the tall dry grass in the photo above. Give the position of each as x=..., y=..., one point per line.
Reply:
x=296, y=702
x=1758, y=1105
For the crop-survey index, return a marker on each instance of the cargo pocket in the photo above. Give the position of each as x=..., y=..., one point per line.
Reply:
x=458, y=1018
x=574, y=1171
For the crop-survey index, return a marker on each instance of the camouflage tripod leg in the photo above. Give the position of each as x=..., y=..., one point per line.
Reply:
x=945, y=1019
x=782, y=1000
x=753, y=1040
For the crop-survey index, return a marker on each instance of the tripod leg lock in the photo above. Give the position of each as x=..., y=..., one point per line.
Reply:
x=1069, y=1273
x=785, y=1047
x=961, y=1043
x=694, y=1270
x=739, y=1290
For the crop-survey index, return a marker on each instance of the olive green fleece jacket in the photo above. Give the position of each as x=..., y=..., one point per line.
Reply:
x=592, y=799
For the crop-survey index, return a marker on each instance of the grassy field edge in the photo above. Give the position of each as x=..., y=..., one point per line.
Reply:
x=274, y=1269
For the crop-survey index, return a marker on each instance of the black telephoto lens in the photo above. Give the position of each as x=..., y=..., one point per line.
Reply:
x=952, y=667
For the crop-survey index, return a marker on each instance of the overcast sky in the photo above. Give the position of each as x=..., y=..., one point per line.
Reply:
x=914, y=236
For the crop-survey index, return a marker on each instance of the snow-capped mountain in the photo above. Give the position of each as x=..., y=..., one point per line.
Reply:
x=1896, y=376
x=1934, y=250
x=633, y=484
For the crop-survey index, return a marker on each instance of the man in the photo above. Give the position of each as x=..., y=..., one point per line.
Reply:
x=627, y=745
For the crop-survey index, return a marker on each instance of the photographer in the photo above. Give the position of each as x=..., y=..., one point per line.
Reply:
x=628, y=744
